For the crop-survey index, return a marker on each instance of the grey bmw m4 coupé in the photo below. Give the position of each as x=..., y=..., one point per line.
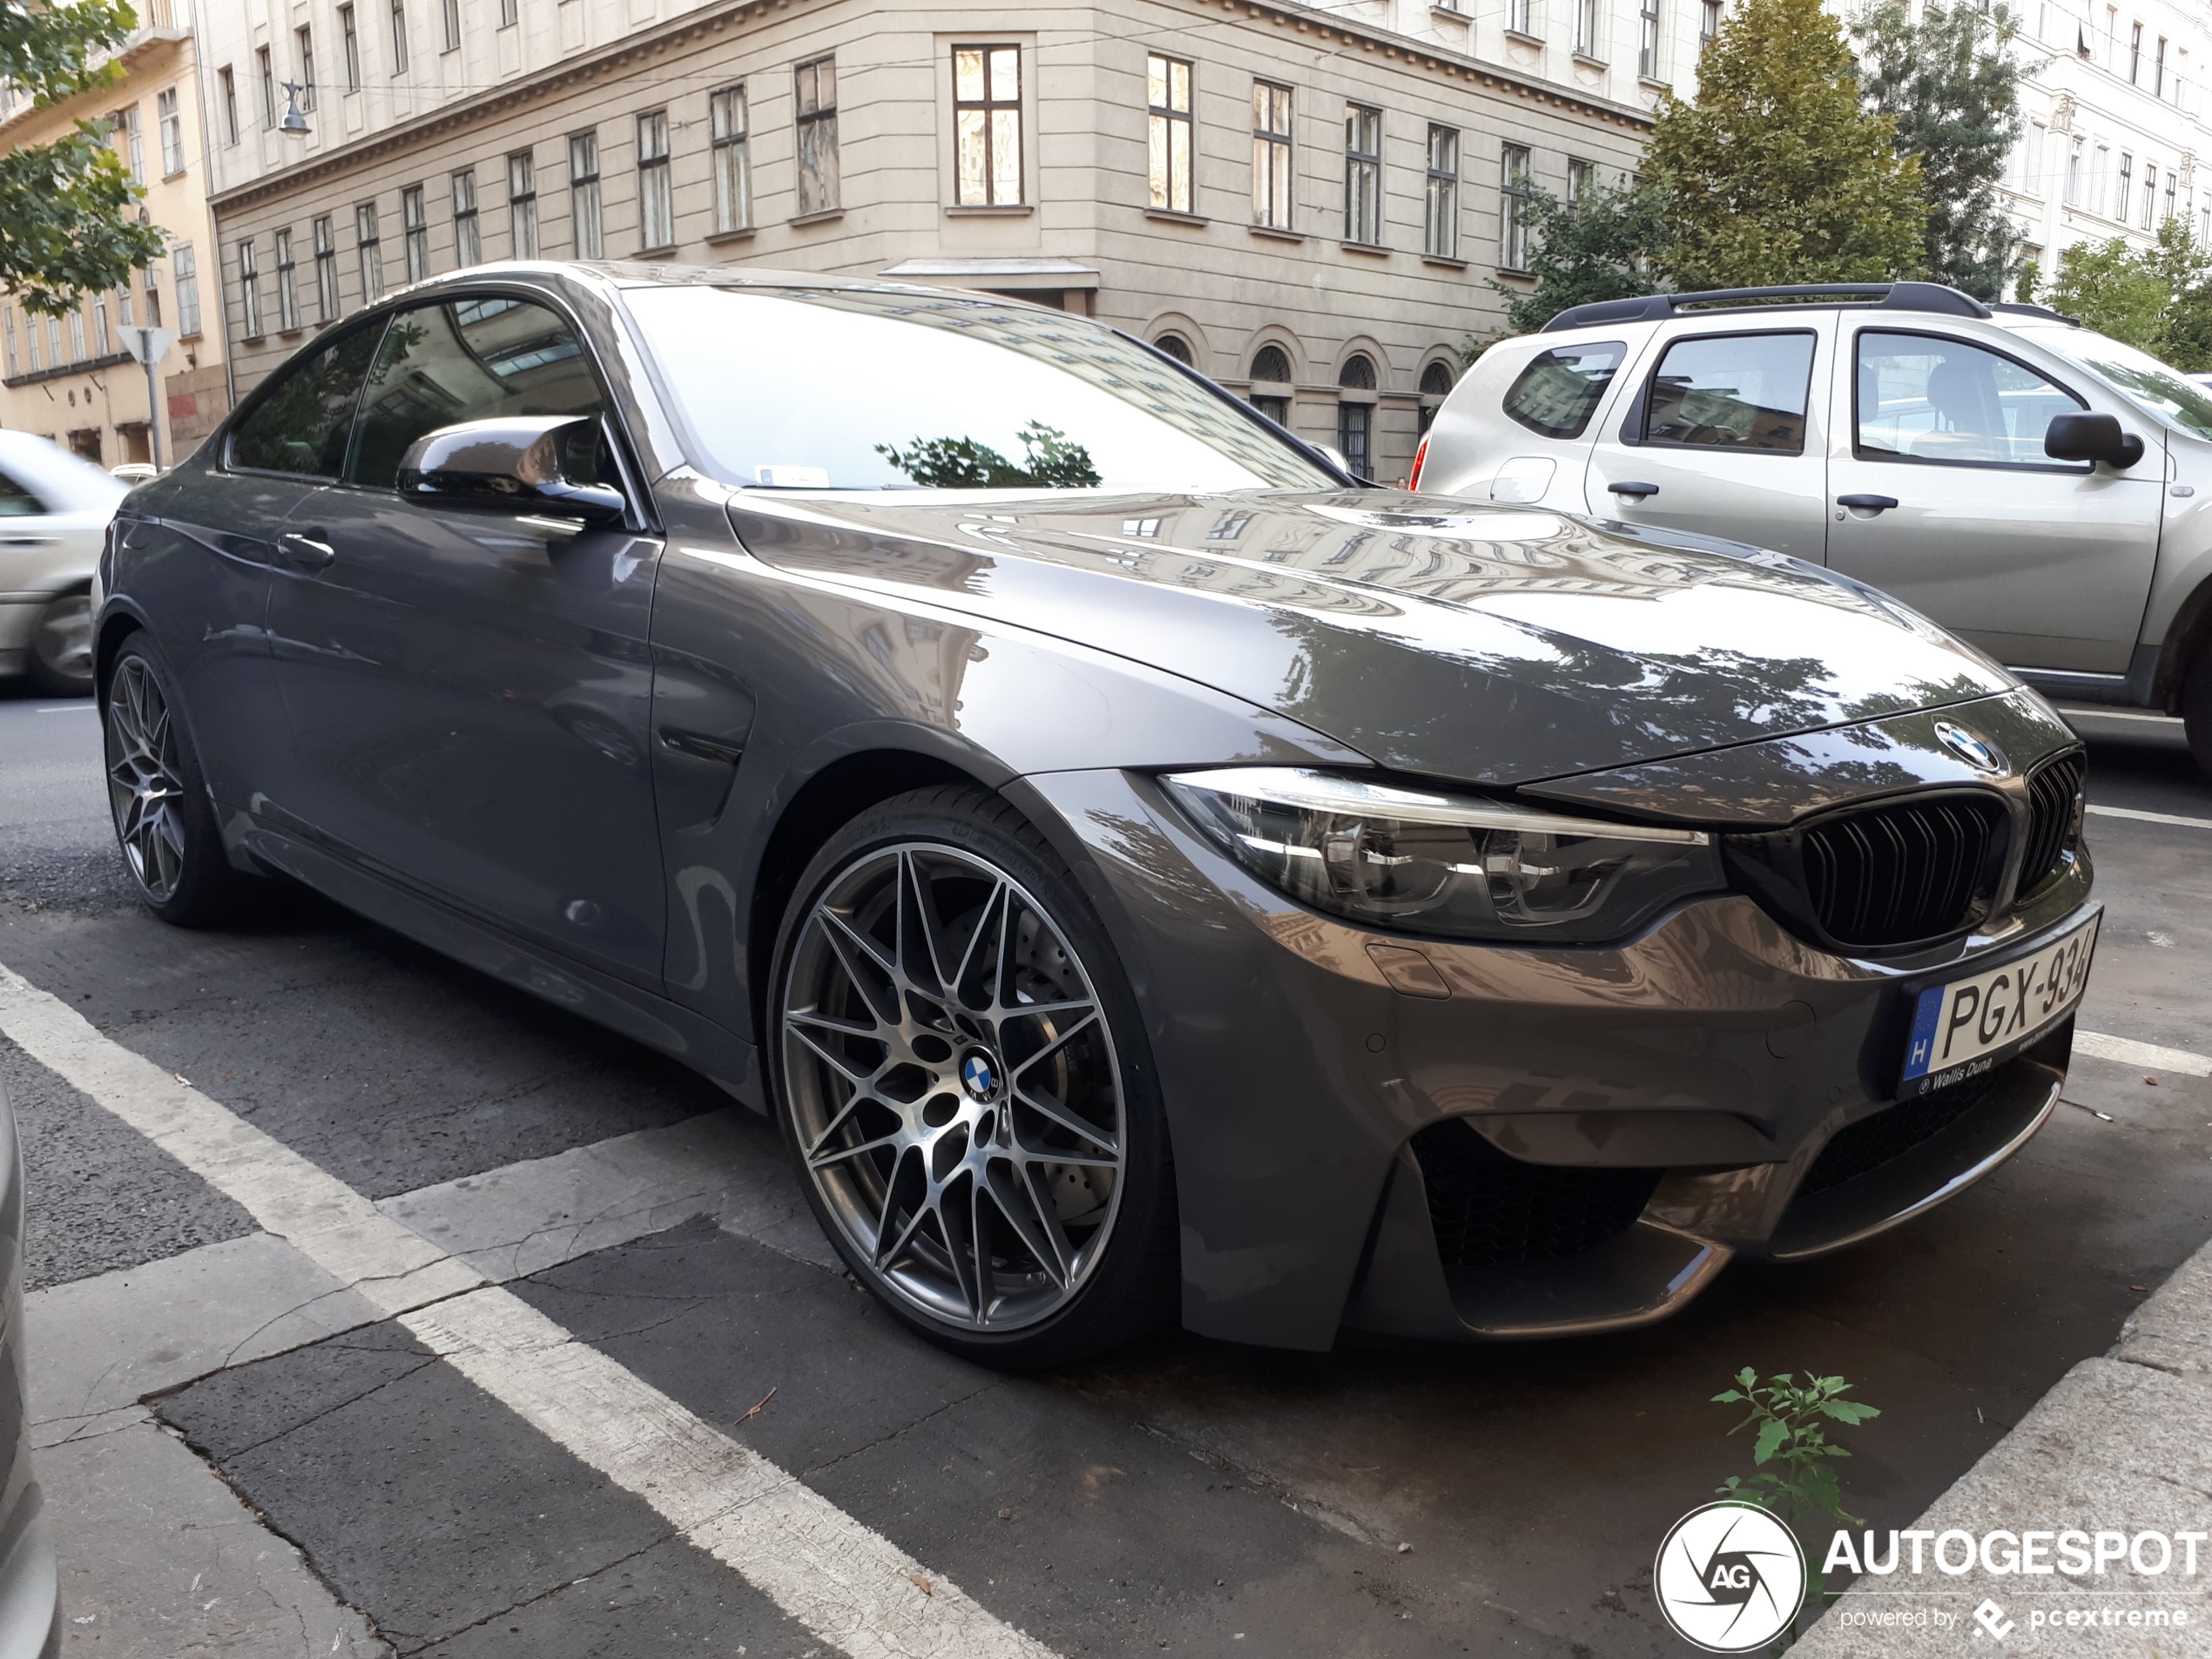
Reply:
x=1135, y=865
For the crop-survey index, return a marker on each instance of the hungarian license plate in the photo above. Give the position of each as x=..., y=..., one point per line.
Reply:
x=1965, y=1027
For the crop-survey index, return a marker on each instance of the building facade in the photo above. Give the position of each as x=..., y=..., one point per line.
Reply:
x=69, y=378
x=1309, y=205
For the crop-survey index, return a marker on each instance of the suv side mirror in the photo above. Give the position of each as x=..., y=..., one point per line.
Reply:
x=512, y=464
x=2091, y=437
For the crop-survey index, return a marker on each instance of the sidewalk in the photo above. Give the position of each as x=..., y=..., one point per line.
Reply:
x=2123, y=1443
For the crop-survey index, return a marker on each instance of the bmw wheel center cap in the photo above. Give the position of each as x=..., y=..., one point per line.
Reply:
x=979, y=1075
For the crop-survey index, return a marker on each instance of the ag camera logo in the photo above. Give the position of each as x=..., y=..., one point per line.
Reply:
x=1729, y=1577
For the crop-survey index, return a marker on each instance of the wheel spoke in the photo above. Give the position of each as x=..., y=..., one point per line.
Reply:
x=820, y=1160
x=1027, y=1218
x=1044, y=1106
x=851, y=947
x=842, y=1068
x=1059, y=1042
x=990, y=924
x=979, y=1236
x=849, y=1028
x=914, y=899
x=961, y=1247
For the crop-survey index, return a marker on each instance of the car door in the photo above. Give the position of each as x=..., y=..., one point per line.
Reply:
x=1943, y=496
x=469, y=687
x=1724, y=436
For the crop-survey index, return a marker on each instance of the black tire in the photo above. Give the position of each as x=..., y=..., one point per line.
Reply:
x=61, y=647
x=2196, y=708
x=164, y=822
x=1003, y=1253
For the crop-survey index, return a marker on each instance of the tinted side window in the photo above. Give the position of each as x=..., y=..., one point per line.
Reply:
x=1925, y=399
x=1559, y=389
x=1733, y=392
x=17, y=500
x=301, y=426
x=467, y=359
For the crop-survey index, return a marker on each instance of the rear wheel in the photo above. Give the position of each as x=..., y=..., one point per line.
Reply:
x=2196, y=708
x=164, y=819
x=962, y=1080
x=61, y=647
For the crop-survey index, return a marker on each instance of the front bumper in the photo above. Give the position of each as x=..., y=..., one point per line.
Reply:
x=1685, y=1086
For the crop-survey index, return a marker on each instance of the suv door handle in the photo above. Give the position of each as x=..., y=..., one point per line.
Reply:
x=307, y=551
x=1638, y=491
x=1871, y=503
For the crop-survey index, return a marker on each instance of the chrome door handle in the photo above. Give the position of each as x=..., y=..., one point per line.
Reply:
x=1636, y=491
x=307, y=551
x=1871, y=503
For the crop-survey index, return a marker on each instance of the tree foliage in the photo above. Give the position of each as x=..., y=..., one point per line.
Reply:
x=65, y=221
x=2158, y=298
x=1952, y=87
x=1777, y=173
x=1053, y=461
x=1602, y=247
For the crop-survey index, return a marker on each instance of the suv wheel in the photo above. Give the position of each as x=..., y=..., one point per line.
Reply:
x=61, y=647
x=2196, y=708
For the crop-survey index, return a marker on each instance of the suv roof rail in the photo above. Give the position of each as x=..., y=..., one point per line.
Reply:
x=2020, y=308
x=1656, y=307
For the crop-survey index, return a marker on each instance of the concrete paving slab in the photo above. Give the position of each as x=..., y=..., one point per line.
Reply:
x=2173, y=1330
x=159, y=1560
x=100, y=1346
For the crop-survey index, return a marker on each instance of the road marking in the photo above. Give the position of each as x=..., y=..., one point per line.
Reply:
x=2129, y=1052
x=846, y=1583
x=2121, y=714
x=2151, y=817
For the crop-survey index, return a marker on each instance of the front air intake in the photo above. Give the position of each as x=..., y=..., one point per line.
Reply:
x=1492, y=1211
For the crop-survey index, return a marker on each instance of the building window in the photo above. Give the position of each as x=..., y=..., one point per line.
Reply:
x=1436, y=386
x=450, y=14
x=816, y=103
x=228, y=83
x=1648, y=39
x=2126, y=187
x=1586, y=29
x=1272, y=174
x=522, y=203
x=732, y=160
x=584, y=195
x=1709, y=24
x=468, y=244
x=326, y=270
x=1272, y=384
x=170, y=126
x=286, y=286
x=123, y=306
x=399, y=37
x=100, y=336
x=1362, y=174
x=987, y=125
x=1356, y=421
x=1512, y=208
x=31, y=341
x=372, y=252
x=509, y=13
x=2150, y=194
x=350, y=39
x=249, y=292
x=153, y=293
x=1581, y=175
x=186, y=266
x=267, y=72
x=2136, y=55
x=1176, y=346
x=414, y=233
x=8, y=336
x=1521, y=17
x=655, y=194
x=1167, y=104
x=128, y=142
x=2173, y=183
x=305, y=45
x=2074, y=174
x=1440, y=220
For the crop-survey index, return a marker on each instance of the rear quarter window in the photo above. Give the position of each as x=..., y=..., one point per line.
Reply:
x=1557, y=391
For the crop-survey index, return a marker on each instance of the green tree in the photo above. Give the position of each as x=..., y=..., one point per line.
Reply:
x=1952, y=87
x=2158, y=298
x=1602, y=247
x=65, y=221
x=1776, y=173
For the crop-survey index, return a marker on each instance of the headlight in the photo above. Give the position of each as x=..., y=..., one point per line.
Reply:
x=1445, y=865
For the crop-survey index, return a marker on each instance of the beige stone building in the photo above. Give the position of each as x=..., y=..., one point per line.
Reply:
x=69, y=378
x=1310, y=204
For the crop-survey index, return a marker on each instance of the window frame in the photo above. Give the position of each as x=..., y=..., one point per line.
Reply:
x=249, y=292
x=656, y=183
x=522, y=203
x=414, y=232
x=1586, y=21
x=286, y=284
x=349, y=42
x=1634, y=423
x=369, y=246
x=399, y=37
x=227, y=79
x=466, y=220
x=989, y=107
x=266, y=66
x=1274, y=157
x=1649, y=41
x=814, y=138
x=587, y=222
x=730, y=138
x=168, y=127
x=1513, y=204
x=303, y=43
x=2071, y=469
x=184, y=268
x=1169, y=133
x=1440, y=194
x=323, y=237
x=1363, y=175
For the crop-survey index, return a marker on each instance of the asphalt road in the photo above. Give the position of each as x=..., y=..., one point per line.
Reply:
x=1189, y=1495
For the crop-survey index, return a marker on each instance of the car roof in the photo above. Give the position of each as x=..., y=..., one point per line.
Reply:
x=67, y=480
x=1927, y=297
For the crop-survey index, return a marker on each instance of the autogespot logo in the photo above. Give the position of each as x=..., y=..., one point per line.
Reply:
x=1729, y=1577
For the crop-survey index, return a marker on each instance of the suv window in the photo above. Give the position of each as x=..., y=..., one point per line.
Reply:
x=1921, y=397
x=17, y=501
x=469, y=359
x=1559, y=389
x=301, y=426
x=1732, y=392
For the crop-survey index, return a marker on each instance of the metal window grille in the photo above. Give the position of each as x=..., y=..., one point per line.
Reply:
x=185, y=264
x=1512, y=208
x=349, y=38
x=370, y=243
x=249, y=292
x=169, y=123
x=656, y=193
x=1363, y=130
x=583, y=196
x=732, y=142
x=326, y=270
x=1271, y=169
x=987, y=125
x=287, y=291
x=816, y=102
x=1440, y=205
x=468, y=243
x=414, y=226
x=1167, y=108
x=522, y=203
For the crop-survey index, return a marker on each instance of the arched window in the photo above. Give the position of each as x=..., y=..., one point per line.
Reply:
x=1436, y=386
x=1269, y=363
x=1176, y=346
x=1359, y=373
x=1356, y=418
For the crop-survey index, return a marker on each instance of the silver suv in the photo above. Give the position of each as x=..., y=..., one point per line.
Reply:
x=2033, y=485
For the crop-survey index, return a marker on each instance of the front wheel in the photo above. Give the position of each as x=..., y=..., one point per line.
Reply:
x=964, y=1084
x=61, y=647
x=2196, y=708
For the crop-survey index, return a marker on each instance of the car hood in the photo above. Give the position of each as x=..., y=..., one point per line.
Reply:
x=1491, y=646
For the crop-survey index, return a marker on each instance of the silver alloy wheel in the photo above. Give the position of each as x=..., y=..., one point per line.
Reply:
x=953, y=1087
x=145, y=788
x=62, y=642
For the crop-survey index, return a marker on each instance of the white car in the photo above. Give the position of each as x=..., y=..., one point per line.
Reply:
x=54, y=511
x=2033, y=485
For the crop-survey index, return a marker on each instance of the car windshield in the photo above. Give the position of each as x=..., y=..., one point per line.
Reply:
x=2164, y=393
x=842, y=389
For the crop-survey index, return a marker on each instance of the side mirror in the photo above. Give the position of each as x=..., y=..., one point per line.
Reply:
x=515, y=464
x=2091, y=437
